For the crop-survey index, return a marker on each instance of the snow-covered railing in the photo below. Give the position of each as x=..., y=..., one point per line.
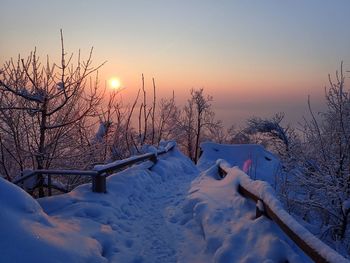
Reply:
x=48, y=183
x=99, y=172
x=267, y=204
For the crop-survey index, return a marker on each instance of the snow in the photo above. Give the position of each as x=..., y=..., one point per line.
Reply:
x=101, y=167
x=102, y=131
x=346, y=206
x=222, y=225
x=28, y=234
x=128, y=224
x=266, y=194
x=60, y=86
x=253, y=159
x=148, y=150
x=260, y=206
x=30, y=183
x=167, y=212
x=36, y=96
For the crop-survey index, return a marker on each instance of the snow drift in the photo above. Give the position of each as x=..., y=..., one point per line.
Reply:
x=253, y=159
x=222, y=227
x=28, y=234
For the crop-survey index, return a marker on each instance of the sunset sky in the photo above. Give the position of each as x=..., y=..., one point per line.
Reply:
x=254, y=57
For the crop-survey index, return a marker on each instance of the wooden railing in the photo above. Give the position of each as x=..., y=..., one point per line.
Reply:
x=312, y=246
x=98, y=174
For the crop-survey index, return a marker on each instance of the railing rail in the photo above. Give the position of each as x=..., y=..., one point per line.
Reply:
x=99, y=172
x=108, y=168
x=317, y=254
x=54, y=172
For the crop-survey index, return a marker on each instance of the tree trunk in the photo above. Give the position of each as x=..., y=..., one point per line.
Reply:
x=198, y=133
x=344, y=225
x=41, y=149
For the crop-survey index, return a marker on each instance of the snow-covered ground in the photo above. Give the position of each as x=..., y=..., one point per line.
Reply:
x=168, y=213
x=253, y=159
x=222, y=227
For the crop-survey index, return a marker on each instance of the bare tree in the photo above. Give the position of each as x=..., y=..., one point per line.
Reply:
x=279, y=137
x=331, y=156
x=48, y=101
x=236, y=135
x=197, y=118
x=154, y=122
x=110, y=118
x=167, y=119
x=319, y=179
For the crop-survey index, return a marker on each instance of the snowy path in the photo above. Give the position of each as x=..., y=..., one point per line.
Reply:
x=137, y=215
x=169, y=213
x=151, y=226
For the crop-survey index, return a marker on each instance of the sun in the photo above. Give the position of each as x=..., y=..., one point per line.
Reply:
x=115, y=83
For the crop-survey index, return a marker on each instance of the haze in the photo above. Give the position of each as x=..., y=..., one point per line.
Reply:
x=253, y=57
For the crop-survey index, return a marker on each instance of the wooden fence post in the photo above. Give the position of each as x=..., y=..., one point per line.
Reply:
x=260, y=209
x=49, y=188
x=99, y=183
x=153, y=158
